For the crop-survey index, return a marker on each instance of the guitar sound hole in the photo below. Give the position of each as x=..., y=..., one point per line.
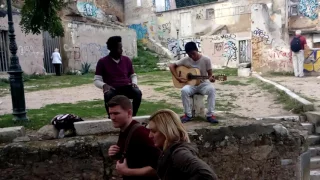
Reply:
x=189, y=75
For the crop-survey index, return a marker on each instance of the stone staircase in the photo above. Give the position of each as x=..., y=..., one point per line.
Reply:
x=313, y=128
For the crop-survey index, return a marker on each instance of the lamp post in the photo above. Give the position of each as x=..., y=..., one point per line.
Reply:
x=15, y=72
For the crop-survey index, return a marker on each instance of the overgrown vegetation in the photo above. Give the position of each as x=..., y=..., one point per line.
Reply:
x=85, y=68
x=146, y=60
x=42, y=15
x=234, y=83
x=281, y=73
x=85, y=109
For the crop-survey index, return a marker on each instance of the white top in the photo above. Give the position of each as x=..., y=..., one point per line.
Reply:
x=56, y=58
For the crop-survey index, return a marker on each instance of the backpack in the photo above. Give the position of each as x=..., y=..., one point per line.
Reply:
x=64, y=122
x=296, y=44
x=126, y=145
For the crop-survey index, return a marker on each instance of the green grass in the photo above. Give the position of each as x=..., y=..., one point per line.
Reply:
x=227, y=71
x=224, y=105
x=234, y=83
x=36, y=83
x=154, y=78
x=163, y=88
x=85, y=109
x=281, y=73
x=146, y=60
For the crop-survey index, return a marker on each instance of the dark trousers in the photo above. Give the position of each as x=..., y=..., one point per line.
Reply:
x=129, y=91
x=57, y=69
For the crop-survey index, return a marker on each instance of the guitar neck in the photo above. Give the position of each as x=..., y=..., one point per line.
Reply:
x=199, y=77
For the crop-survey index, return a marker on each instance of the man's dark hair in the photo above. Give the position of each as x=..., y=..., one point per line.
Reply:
x=191, y=46
x=113, y=41
x=122, y=101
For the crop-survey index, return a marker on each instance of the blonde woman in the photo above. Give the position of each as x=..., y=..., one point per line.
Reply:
x=179, y=159
x=56, y=61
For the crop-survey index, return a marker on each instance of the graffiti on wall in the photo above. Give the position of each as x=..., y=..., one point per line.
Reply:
x=225, y=48
x=309, y=8
x=141, y=30
x=90, y=10
x=177, y=46
x=199, y=15
x=164, y=30
x=30, y=51
x=230, y=51
x=262, y=36
x=312, y=62
x=86, y=52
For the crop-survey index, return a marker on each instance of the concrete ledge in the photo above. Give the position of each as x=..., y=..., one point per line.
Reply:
x=307, y=105
x=280, y=118
x=10, y=133
x=94, y=127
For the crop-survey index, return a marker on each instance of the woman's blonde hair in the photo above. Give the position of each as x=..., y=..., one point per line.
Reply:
x=168, y=123
x=56, y=50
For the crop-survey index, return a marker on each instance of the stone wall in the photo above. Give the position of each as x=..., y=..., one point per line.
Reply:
x=30, y=47
x=86, y=42
x=270, y=47
x=256, y=151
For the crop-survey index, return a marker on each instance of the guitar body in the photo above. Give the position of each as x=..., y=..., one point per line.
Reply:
x=183, y=71
x=193, y=76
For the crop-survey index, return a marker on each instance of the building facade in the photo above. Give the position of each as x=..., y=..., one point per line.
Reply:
x=231, y=32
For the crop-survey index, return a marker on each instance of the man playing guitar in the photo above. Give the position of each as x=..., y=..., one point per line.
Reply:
x=203, y=63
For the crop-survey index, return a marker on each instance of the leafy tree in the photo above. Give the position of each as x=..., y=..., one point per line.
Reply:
x=42, y=15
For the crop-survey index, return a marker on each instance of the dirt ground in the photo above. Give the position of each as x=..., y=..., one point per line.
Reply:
x=243, y=100
x=306, y=86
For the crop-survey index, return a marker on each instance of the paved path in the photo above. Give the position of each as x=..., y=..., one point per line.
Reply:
x=248, y=101
x=308, y=86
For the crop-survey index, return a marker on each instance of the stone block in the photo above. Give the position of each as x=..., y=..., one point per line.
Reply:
x=315, y=162
x=309, y=127
x=315, y=151
x=47, y=132
x=313, y=139
x=141, y=119
x=244, y=72
x=197, y=105
x=84, y=128
x=315, y=174
x=10, y=133
x=304, y=166
x=313, y=117
x=92, y=127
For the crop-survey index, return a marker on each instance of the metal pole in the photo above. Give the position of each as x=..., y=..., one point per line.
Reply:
x=178, y=44
x=15, y=72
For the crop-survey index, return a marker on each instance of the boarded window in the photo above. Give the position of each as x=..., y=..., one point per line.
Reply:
x=294, y=10
x=210, y=13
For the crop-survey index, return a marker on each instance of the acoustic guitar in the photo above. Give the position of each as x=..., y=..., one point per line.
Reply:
x=193, y=77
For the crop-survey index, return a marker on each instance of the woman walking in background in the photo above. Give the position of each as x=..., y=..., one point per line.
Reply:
x=56, y=61
x=179, y=159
